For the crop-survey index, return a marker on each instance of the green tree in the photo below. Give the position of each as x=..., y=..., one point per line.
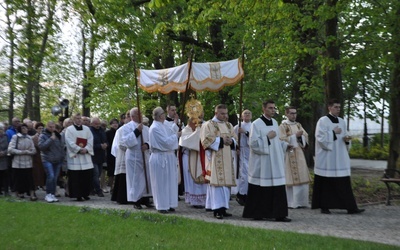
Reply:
x=31, y=26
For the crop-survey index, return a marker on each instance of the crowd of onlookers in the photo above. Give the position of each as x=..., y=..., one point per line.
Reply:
x=33, y=156
x=78, y=154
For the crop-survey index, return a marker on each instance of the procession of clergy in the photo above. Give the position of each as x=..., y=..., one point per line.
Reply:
x=260, y=162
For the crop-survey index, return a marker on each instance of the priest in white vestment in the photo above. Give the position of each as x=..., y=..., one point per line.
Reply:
x=193, y=169
x=219, y=139
x=244, y=153
x=118, y=149
x=332, y=183
x=296, y=169
x=79, y=144
x=172, y=119
x=266, y=197
x=137, y=170
x=163, y=163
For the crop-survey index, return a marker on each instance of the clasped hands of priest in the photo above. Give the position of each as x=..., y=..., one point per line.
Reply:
x=228, y=140
x=338, y=130
x=272, y=134
x=83, y=151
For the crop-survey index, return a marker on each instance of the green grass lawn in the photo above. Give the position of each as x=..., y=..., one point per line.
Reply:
x=30, y=225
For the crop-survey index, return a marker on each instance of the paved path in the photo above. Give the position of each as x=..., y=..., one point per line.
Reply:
x=379, y=223
x=368, y=164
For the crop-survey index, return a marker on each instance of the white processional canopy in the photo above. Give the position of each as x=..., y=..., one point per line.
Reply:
x=210, y=76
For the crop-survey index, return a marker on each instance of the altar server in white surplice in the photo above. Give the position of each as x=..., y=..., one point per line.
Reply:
x=163, y=163
x=266, y=197
x=79, y=143
x=118, y=150
x=137, y=170
x=332, y=184
x=244, y=153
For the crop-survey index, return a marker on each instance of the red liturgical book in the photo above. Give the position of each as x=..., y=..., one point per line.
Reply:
x=81, y=142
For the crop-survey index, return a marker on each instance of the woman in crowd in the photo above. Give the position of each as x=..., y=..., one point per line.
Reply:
x=110, y=158
x=22, y=148
x=3, y=161
x=39, y=175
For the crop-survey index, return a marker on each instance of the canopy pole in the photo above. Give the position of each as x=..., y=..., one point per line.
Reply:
x=240, y=114
x=140, y=119
x=187, y=85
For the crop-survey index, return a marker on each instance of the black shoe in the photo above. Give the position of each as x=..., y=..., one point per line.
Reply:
x=198, y=206
x=283, y=219
x=137, y=206
x=100, y=194
x=86, y=198
x=218, y=215
x=79, y=199
x=240, y=201
x=355, y=211
x=225, y=214
x=171, y=209
x=325, y=211
x=149, y=205
x=163, y=211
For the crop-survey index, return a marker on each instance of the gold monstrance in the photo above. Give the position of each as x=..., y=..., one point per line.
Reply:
x=194, y=110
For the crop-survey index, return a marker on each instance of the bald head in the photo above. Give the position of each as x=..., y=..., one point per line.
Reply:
x=95, y=122
x=246, y=115
x=135, y=114
x=15, y=122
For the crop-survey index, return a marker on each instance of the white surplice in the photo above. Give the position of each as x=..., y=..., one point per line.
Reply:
x=75, y=160
x=266, y=161
x=163, y=165
x=118, y=150
x=137, y=179
x=242, y=180
x=331, y=156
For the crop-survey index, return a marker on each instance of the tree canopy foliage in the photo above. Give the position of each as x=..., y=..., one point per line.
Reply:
x=297, y=52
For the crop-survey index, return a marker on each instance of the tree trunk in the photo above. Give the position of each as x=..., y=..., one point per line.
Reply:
x=394, y=115
x=305, y=68
x=87, y=69
x=333, y=77
x=10, y=35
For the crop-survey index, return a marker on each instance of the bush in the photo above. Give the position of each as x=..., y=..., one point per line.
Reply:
x=374, y=152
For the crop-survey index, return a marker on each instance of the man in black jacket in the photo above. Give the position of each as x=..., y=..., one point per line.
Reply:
x=99, y=157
